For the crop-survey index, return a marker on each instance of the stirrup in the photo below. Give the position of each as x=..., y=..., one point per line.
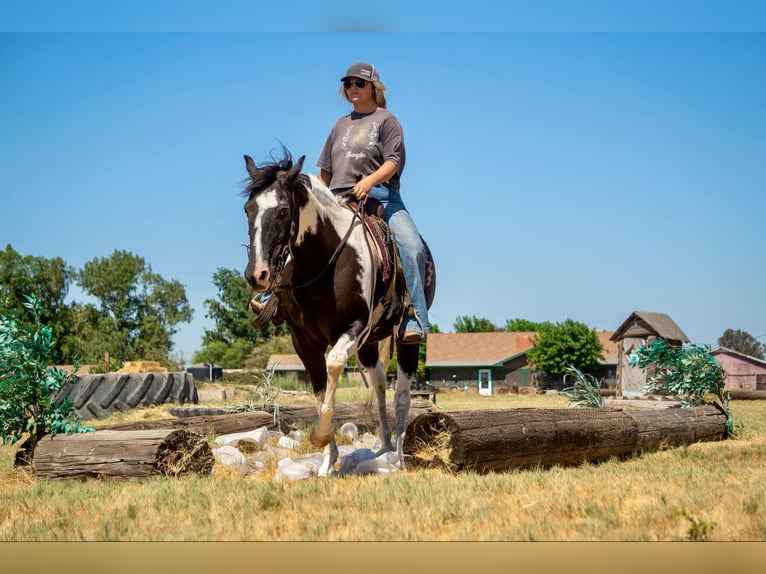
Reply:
x=263, y=311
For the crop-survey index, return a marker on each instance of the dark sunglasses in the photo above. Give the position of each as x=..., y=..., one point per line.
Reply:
x=359, y=83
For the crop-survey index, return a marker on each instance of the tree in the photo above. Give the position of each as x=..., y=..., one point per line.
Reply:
x=466, y=324
x=138, y=310
x=561, y=345
x=29, y=388
x=49, y=281
x=521, y=325
x=742, y=342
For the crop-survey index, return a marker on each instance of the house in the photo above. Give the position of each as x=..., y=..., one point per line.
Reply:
x=462, y=360
x=290, y=366
x=742, y=371
x=641, y=328
x=498, y=359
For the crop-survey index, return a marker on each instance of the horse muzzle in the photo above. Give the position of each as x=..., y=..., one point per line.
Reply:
x=258, y=276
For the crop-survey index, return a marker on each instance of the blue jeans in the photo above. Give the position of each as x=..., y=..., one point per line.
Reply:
x=411, y=250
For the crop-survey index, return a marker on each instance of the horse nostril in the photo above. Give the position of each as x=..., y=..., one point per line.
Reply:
x=263, y=276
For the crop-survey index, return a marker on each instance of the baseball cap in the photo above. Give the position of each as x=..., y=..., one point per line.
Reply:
x=362, y=70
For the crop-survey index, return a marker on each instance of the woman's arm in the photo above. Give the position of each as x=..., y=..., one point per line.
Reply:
x=380, y=175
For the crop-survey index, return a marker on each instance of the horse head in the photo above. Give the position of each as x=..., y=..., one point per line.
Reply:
x=274, y=194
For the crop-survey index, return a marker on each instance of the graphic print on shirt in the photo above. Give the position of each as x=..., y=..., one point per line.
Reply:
x=359, y=138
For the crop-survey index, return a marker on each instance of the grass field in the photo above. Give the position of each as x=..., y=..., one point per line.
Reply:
x=706, y=491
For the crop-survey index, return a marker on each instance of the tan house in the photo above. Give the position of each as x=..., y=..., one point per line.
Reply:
x=641, y=328
x=479, y=359
x=497, y=359
x=288, y=365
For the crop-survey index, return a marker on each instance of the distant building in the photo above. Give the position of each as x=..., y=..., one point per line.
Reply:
x=641, y=328
x=742, y=371
x=497, y=360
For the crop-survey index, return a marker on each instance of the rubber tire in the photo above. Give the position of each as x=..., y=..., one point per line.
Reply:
x=100, y=396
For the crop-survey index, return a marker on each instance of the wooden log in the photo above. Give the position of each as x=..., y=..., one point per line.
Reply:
x=494, y=440
x=743, y=395
x=364, y=416
x=122, y=454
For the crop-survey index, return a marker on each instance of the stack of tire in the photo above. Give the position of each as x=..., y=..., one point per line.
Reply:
x=100, y=396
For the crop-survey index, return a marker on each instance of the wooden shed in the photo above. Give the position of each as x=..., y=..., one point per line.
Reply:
x=640, y=329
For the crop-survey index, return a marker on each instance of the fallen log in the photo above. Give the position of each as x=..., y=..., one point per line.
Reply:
x=743, y=395
x=122, y=454
x=364, y=416
x=495, y=440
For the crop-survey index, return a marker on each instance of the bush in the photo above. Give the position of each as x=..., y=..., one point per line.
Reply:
x=28, y=386
x=689, y=372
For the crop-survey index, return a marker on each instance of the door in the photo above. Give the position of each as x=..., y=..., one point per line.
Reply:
x=485, y=382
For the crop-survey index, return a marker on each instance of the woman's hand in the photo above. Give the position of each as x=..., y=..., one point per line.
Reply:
x=362, y=188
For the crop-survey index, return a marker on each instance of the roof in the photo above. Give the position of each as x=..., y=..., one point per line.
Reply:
x=285, y=363
x=475, y=349
x=611, y=352
x=641, y=323
x=725, y=350
x=494, y=349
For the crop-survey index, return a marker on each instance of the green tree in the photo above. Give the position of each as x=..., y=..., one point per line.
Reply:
x=559, y=346
x=138, y=310
x=521, y=326
x=29, y=387
x=742, y=342
x=466, y=324
x=49, y=280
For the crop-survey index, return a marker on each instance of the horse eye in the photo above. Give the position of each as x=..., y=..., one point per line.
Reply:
x=284, y=212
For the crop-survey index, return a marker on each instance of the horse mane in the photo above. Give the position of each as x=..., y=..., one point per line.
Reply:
x=267, y=174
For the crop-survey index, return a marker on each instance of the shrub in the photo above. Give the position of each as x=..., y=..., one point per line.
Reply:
x=29, y=387
x=689, y=372
x=586, y=391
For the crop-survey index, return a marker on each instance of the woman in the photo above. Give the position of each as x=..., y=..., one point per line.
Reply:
x=364, y=154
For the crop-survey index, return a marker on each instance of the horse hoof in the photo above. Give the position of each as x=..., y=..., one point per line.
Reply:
x=318, y=438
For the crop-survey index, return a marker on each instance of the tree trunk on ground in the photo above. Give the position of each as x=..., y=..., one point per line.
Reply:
x=290, y=416
x=122, y=454
x=743, y=395
x=521, y=438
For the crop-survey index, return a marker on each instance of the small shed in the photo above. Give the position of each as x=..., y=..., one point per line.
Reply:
x=639, y=329
x=743, y=372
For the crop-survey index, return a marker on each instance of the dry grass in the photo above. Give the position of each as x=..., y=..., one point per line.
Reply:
x=711, y=491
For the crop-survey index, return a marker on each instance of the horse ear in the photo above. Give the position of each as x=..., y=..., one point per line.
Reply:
x=296, y=169
x=252, y=169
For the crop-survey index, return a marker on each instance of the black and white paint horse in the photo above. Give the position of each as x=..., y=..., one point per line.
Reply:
x=312, y=251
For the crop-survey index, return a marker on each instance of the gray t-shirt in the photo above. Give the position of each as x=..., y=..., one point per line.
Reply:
x=359, y=144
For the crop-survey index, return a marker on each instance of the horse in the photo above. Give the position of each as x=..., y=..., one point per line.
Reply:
x=313, y=253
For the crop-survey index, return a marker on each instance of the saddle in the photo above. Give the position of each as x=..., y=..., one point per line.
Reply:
x=373, y=217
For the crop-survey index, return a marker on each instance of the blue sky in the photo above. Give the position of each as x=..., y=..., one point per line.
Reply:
x=555, y=175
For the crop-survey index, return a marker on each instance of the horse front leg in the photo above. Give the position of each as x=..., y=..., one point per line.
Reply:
x=323, y=432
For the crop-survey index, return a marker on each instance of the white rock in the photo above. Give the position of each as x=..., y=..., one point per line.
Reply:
x=291, y=470
x=259, y=435
x=287, y=442
x=228, y=456
x=349, y=431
